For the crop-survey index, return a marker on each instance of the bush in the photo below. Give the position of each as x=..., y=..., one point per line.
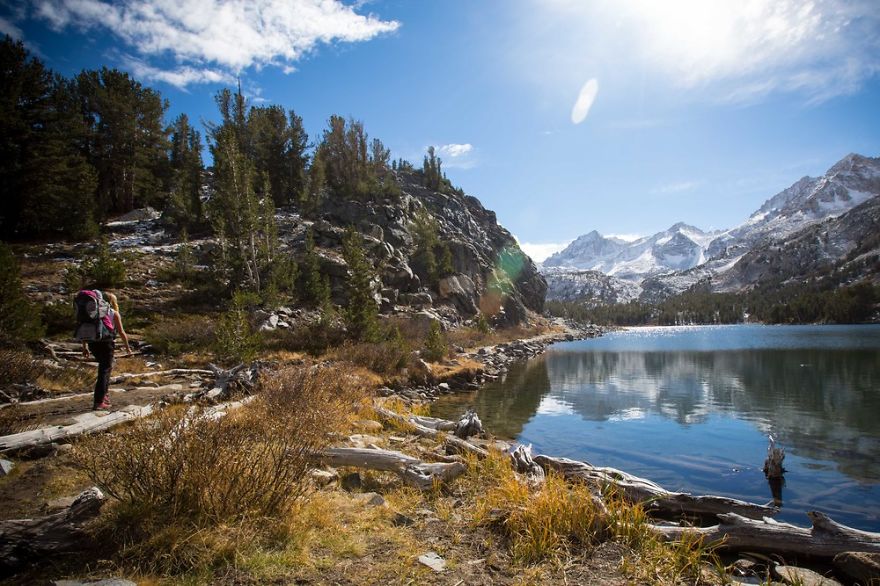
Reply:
x=387, y=357
x=17, y=366
x=436, y=346
x=59, y=318
x=102, y=269
x=173, y=335
x=182, y=473
x=235, y=339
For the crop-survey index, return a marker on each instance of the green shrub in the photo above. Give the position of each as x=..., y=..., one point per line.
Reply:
x=101, y=268
x=436, y=347
x=235, y=339
x=59, y=318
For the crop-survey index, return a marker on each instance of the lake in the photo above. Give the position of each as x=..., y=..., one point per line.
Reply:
x=691, y=408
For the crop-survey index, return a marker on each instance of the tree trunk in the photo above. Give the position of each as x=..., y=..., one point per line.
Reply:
x=419, y=428
x=825, y=539
x=22, y=540
x=655, y=498
x=412, y=471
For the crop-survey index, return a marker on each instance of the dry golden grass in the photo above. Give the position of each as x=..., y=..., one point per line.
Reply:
x=191, y=489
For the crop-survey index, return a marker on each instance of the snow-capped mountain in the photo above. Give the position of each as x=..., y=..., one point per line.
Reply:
x=671, y=261
x=850, y=182
x=678, y=248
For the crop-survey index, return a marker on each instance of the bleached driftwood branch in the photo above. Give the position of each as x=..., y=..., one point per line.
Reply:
x=825, y=539
x=420, y=427
x=655, y=497
x=413, y=472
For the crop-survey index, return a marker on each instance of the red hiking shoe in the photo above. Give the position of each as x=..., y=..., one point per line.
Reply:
x=104, y=406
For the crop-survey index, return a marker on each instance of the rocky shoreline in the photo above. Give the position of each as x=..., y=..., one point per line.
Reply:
x=494, y=363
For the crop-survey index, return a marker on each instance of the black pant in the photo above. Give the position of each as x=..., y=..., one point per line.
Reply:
x=103, y=353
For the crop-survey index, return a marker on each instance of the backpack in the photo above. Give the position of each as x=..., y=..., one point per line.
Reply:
x=94, y=317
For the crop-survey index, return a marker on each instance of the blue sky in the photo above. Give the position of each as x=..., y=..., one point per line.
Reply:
x=563, y=116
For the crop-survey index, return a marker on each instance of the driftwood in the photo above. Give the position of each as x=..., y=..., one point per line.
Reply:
x=862, y=567
x=95, y=421
x=418, y=426
x=522, y=462
x=22, y=540
x=172, y=372
x=655, y=498
x=413, y=472
x=468, y=424
x=773, y=464
x=85, y=423
x=825, y=539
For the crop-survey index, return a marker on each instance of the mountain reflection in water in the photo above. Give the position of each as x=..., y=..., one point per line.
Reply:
x=686, y=406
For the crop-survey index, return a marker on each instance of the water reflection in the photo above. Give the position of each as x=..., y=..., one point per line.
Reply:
x=822, y=403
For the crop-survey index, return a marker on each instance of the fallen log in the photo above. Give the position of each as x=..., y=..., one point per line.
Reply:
x=85, y=423
x=655, y=498
x=416, y=424
x=22, y=540
x=115, y=380
x=413, y=472
x=825, y=539
x=468, y=424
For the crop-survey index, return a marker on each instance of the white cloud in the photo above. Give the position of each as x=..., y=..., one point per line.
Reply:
x=179, y=77
x=738, y=51
x=584, y=101
x=626, y=237
x=540, y=251
x=7, y=28
x=676, y=187
x=221, y=37
x=455, y=150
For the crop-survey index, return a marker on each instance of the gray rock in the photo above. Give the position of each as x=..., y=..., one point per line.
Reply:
x=372, y=499
x=433, y=561
x=323, y=477
x=6, y=467
x=351, y=482
x=860, y=566
x=802, y=577
x=401, y=520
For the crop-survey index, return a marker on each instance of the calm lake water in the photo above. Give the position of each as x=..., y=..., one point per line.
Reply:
x=691, y=408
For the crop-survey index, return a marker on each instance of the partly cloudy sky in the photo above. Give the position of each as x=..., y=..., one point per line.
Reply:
x=564, y=116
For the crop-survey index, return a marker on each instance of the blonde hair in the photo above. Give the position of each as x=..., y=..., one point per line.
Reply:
x=111, y=297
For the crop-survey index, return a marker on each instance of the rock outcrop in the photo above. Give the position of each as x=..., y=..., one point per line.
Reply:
x=490, y=274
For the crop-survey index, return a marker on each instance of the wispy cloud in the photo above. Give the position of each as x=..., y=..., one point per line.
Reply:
x=456, y=150
x=626, y=237
x=732, y=51
x=180, y=77
x=7, y=28
x=458, y=156
x=676, y=187
x=210, y=40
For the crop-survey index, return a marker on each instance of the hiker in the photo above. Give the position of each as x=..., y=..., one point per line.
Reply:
x=97, y=331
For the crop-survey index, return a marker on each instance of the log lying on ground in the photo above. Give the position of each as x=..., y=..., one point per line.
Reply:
x=95, y=421
x=655, y=498
x=22, y=540
x=468, y=424
x=419, y=428
x=825, y=539
x=412, y=471
x=85, y=423
x=522, y=461
x=115, y=380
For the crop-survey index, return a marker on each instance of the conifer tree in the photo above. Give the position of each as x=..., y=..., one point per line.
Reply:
x=19, y=319
x=431, y=170
x=315, y=288
x=361, y=314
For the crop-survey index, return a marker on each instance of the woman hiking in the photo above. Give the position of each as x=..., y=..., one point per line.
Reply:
x=103, y=343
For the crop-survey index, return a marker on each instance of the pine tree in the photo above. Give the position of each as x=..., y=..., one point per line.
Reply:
x=431, y=170
x=187, y=174
x=361, y=313
x=19, y=318
x=315, y=289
